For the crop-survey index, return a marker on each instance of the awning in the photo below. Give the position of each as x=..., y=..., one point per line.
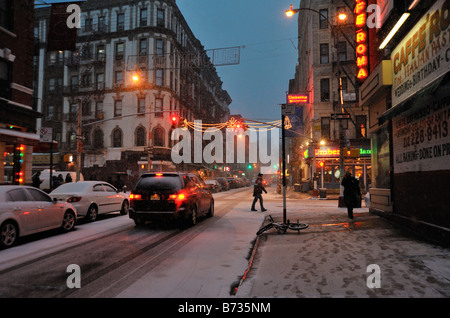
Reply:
x=19, y=137
x=419, y=97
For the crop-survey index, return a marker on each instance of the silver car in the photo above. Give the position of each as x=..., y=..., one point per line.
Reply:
x=92, y=198
x=26, y=210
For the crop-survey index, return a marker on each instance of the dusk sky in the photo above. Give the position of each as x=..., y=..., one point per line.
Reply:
x=268, y=54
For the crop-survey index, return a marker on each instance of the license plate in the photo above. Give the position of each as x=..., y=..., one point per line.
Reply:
x=154, y=197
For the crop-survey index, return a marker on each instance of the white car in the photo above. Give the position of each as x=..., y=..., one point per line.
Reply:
x=92, y=198
x=26, y=210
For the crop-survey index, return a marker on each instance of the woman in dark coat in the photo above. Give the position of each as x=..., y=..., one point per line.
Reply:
x=352, y=193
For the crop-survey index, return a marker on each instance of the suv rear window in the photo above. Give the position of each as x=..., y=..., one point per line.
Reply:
x=156, y=182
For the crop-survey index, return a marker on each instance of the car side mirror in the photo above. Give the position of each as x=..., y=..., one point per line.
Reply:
x=55, y=200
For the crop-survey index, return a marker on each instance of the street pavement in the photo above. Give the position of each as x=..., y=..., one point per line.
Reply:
x=335, y=257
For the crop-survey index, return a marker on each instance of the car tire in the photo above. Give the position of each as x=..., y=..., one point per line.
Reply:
x=69, y=221
x=125, y=208
x=92, y=213
x=192, y=220
x=9, y=233
x=211, y=209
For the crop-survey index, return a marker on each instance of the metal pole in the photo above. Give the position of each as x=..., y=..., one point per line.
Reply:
x=79, y=142
x=283, y=166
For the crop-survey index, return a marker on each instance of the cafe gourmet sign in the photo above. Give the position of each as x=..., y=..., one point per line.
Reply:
x=423, y=55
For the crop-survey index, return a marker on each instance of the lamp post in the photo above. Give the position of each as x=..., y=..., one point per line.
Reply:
x=334, y=28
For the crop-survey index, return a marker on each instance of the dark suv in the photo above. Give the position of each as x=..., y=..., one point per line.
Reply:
x=170, y=195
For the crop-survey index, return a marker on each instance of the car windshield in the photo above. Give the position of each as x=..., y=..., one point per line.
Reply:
x=72, y=187
x=159, y=182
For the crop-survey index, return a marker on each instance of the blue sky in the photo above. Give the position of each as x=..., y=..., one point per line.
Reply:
x=268, y=54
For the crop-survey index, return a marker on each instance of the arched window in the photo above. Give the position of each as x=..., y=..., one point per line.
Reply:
x=140, y=136
x=158, y=137
x=72, y=139
x=98, y=138
x=117, y=138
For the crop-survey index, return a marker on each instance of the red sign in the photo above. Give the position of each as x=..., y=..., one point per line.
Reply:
x=297, y=98
x=362, y=59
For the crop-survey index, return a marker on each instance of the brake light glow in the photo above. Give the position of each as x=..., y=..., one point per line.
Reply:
x=73, y=199
x=159, y=174
x=179, y=196
x=135, y=196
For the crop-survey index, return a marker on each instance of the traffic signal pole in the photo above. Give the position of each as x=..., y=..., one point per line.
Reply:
x=283, y=165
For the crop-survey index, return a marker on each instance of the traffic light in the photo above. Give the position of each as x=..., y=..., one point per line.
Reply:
x=321, y=164
x=249, y=167
x=18, y=160
x=174, y=120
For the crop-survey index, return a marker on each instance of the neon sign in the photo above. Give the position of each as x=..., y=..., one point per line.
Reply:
x=297, y=99
x=362, y=60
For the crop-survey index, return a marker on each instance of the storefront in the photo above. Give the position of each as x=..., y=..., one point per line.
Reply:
x=327, y=163
x=419, y=122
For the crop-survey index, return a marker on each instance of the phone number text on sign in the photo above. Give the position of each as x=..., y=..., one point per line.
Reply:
x=422, y=138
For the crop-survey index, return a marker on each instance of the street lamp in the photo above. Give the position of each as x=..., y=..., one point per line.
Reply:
x=342, y=18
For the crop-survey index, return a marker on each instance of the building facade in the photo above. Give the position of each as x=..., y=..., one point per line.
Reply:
x=327, y=73
x=137, y=64
x=407, y=93
x=17, y=112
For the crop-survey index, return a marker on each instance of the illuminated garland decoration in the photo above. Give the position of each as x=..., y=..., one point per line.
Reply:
x=236, y=124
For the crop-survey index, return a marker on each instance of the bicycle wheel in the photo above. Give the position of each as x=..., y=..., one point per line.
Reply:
x=264, y=228
x=297, y=226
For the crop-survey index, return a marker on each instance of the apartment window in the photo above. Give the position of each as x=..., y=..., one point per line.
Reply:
x=323, y=18
x=325, y=127
x=143, y=17
x=73, y=109
x=72, y=139
x=159, y=47
x=158, y=137
x=342, y=51
x=52, y=57
x=101, y=53
x=86, y=80
x=6, y=14
x=100, y=80
x=88, y=25
x=86, y=108
x=141, y=105
x=118, y=78
x=74, y=83
x=99, y=110
x=143, y=47
x=51, y=84
x=120, y=48
x=361, y=129
x=160, y=16
x=98, y=138
x=140, y=136
x=117, y=108
x=50, y=112
x=5, y=79
x=158, y=107
x=102, y=24
x=159, y=77
x=120, y=21
x=117, y=138
x=324, y=54
x=325, y=89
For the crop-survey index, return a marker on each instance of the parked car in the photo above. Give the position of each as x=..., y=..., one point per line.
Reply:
x=233, y=183
x=167, y=196
x=224, y=183
x=213, y=185
x=25, y=210
x=92, y=198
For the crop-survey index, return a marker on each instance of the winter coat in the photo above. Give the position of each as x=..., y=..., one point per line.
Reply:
x=352, y=192
x=258, y=188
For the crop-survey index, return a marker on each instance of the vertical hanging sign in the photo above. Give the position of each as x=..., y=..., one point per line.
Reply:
x=362, y=59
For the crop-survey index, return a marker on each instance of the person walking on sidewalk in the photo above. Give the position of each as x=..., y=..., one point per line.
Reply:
x=352, y=193
x=257, y=193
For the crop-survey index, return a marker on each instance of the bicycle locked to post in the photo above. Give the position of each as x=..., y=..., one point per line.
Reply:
x=282, y=227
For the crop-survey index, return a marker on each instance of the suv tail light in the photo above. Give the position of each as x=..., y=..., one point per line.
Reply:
x=135, y=196
x=178, y=197
x=73, y=199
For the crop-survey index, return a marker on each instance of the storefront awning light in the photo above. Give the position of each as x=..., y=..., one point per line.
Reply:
x=394, y=30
